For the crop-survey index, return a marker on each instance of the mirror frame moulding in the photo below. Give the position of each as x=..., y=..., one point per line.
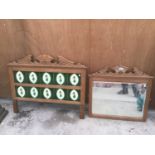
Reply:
x=128, y=75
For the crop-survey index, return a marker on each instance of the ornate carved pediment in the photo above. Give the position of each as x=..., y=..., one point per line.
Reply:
x=120, y=70
x=46, y=60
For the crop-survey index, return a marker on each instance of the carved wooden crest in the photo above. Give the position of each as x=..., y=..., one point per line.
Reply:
x=119, y=70
x=46, y=60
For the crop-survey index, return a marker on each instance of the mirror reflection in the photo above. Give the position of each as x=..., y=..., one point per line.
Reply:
x=118, y=99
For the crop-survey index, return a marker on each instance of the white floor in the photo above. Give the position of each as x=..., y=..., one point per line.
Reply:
x=36, y=118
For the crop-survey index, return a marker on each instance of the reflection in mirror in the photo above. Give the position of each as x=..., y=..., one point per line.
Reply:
x=118, y=99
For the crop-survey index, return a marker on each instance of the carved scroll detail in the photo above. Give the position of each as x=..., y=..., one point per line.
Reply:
x=63, y=61
x=47, y=60
x=25, y=60
x=120, y=70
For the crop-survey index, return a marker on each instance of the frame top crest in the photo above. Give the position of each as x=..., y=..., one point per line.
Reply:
x=46, y=60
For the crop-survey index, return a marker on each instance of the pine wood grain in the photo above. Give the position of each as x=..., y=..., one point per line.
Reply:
x=94, y=43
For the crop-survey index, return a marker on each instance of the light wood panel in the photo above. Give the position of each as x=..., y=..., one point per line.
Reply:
x=11, y=48
x=126, y=42
x=69, y=38
x=95, y=43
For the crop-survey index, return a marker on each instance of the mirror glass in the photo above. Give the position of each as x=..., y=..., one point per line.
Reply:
x=118, y=99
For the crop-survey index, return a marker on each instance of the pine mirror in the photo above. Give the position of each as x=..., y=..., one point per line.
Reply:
x=119, y=95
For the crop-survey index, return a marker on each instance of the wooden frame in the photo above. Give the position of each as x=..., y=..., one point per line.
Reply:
x=128, y=76
x=45, y=63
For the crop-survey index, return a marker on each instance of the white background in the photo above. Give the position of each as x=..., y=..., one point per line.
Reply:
x=77, y=9
x=77, y=145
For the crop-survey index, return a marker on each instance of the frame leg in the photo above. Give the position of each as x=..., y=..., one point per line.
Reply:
x=15, y=106
x=82, y=111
